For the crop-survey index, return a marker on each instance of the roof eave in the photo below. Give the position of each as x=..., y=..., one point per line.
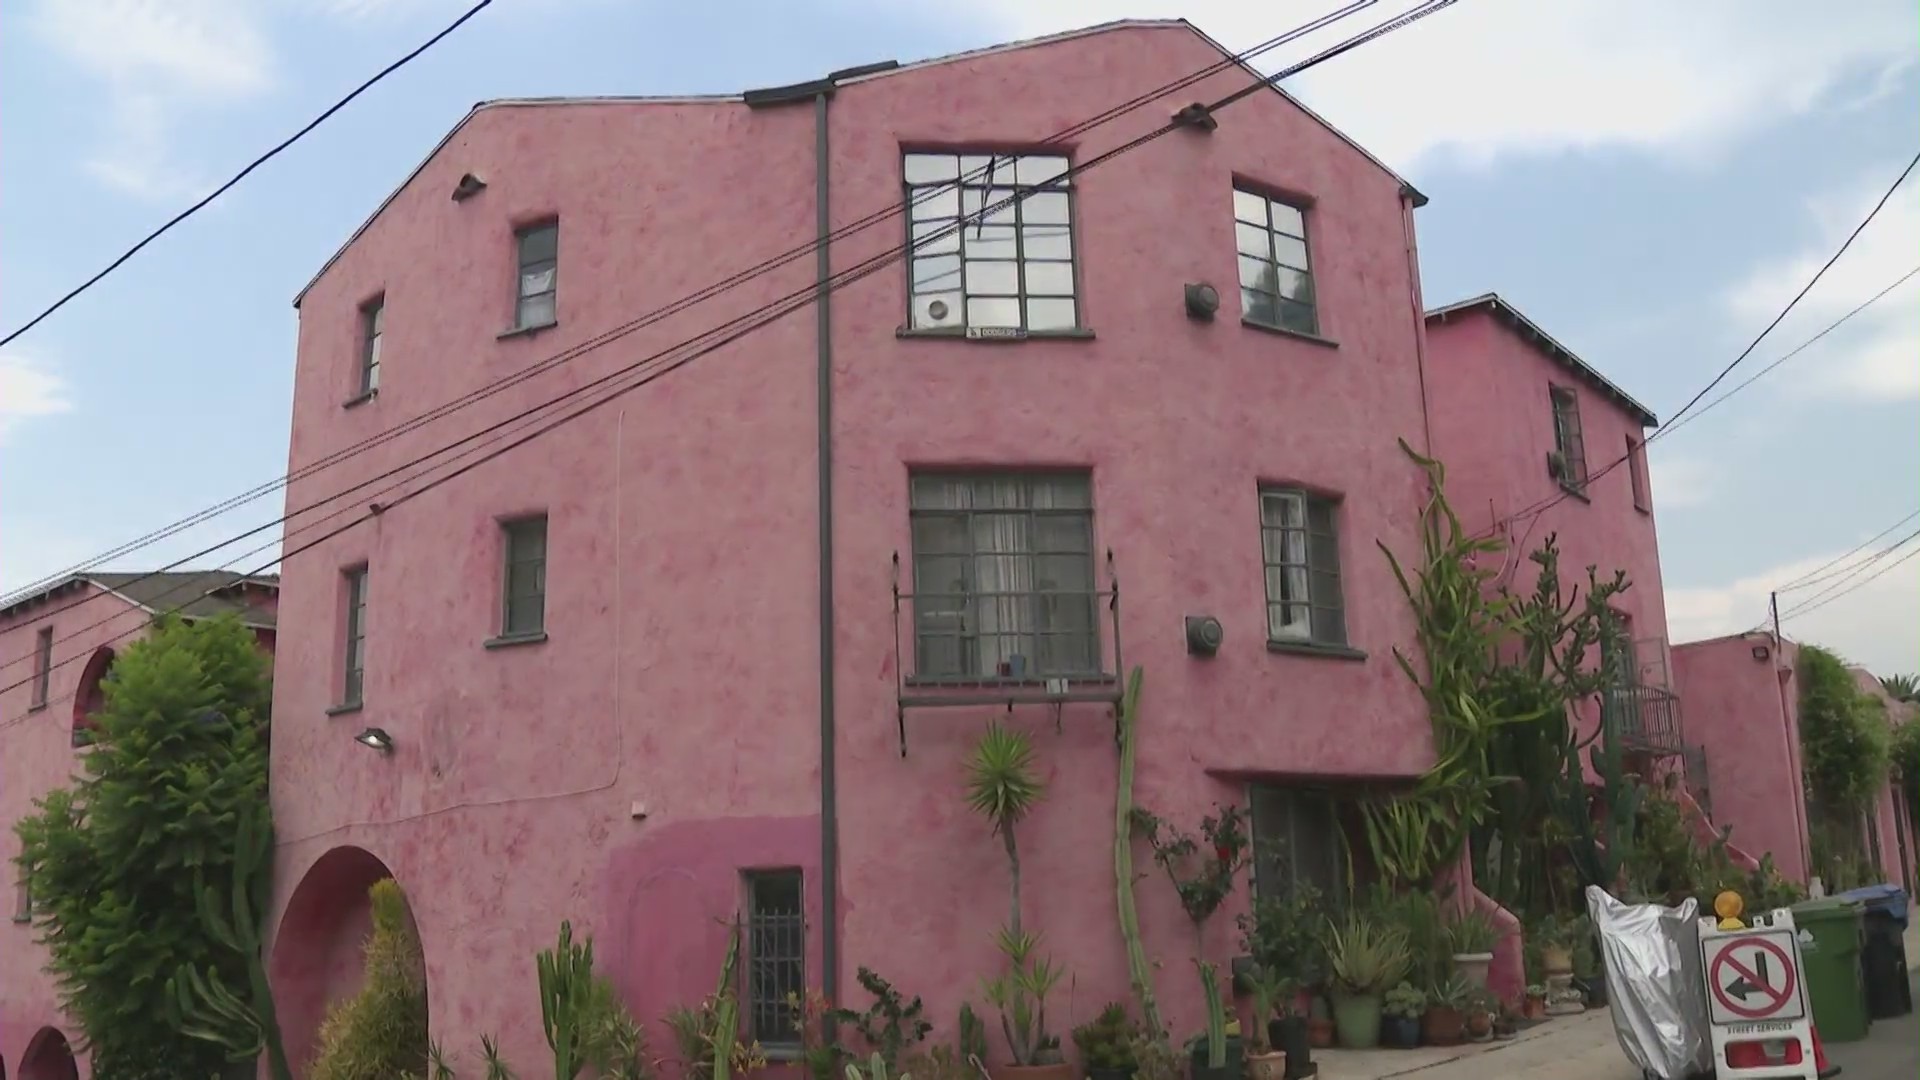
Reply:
x=1497, y=306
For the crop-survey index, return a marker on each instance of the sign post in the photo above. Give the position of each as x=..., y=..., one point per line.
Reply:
x=1755, y=995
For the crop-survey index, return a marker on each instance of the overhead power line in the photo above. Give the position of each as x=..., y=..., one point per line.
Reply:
x=1840, y=587
x=243, y=173
x=892, y=208
x=1811, y=607
x=1819, y=573
x=772, y=312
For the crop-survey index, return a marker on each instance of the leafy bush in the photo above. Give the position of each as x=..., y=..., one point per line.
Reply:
x=380, y=1032
x=114, y=861
x=1843, y=734
x=1107, y=1042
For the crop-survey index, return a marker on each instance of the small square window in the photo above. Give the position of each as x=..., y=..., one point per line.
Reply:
x=538, y=283
x=42, y=666
x=524, y=611
x=776, y=949
x=354, y=666
x=1276, y=279
x=1301, y=550
x=373, y=320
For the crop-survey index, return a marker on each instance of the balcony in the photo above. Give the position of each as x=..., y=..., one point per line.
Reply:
x=1044, y=645
x=1646, y=718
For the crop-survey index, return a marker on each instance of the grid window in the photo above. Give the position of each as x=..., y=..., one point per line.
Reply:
x=42, y=666
x=1567, y=440
x=1301, y=550
x=1305, y=838
x=539, y=280
x=1003, y=576
x=1276, y=281
x=354, y=678
x=776, y=955
x=373, y=321
x=1637, y=472
x=525, y=609
x=992, y=242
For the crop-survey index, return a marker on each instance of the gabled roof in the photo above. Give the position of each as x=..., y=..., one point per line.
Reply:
x=1492, y=304
x=850, y=77
x=192, y=594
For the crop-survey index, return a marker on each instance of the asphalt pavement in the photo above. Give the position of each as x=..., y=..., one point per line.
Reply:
x=1891, y=1050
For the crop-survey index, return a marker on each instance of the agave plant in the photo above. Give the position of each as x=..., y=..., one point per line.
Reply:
x=1366, y=956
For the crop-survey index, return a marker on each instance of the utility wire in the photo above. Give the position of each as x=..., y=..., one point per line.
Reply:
x=773, y=312
x=1819, y=574
x=1809, y=608
x=1840, y=587
x=243, y=173
x=892, y=208
x=1677, y=418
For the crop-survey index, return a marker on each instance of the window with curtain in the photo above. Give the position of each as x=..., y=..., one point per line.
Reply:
x=525, y=608
x=1003, y=576
x=1567, y=440
x=991, y=247
x=539, y=251
x=1301, y=549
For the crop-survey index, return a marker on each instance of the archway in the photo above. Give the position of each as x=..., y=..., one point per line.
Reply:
x=92, y=695
x=316, y=958
x=48, y=1057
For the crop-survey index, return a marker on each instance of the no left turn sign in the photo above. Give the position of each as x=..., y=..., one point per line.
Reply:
x=1753, y=977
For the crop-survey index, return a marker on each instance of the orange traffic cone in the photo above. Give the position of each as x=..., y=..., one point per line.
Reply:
x=1820, y=1063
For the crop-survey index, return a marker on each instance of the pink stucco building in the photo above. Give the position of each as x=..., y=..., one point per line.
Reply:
x=56, y=645
x=719, y=647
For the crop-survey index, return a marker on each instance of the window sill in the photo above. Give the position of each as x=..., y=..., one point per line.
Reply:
x=346, y=708
x=508, y=641
x=22, y=920
x=360, y=398
x=1577, y=491
x=1298, y=335
x=526, y=331
x=960, y=334
x=1314, y=648
x=1645, y=511
x=1007, y=682
x=781, y=1053
x=41, y=707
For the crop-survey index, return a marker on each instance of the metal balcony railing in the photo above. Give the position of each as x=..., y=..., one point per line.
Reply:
x=1646, y=718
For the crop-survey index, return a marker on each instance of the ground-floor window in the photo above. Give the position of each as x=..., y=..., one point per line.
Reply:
x=1312, y=836
x=776, y=951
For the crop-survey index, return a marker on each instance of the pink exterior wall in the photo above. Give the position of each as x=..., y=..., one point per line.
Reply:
x=624, y=772
x=1744, y=710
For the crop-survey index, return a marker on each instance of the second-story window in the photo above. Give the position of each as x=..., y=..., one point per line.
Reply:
x=1276, y=282
x=353, y=678
x=538, y=286
x=992, y=249
x=1637, y=472
x=373, y=321
x=1568, y=444
x=1301, y=550
x=42, y=666
x=524, y=610
x=1003, y=576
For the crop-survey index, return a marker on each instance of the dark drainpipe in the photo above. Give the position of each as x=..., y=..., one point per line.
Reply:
x=820, y=92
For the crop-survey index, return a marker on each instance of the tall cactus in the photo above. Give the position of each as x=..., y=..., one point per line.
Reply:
x=1141, y=975
x=200, y=1004
x=566, y=992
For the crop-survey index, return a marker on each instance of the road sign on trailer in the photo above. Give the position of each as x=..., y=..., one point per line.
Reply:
x=1753, y=977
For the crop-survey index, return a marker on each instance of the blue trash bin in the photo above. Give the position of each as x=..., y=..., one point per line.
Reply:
x=1883, y=955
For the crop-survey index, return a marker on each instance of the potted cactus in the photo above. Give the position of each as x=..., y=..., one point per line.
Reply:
x=1270, y=990
x=1480, y=1009
x=1400, y=1016
x=1216, y=1054
x=1106, y=1045
x=1535, y=1005
x=1364, y=958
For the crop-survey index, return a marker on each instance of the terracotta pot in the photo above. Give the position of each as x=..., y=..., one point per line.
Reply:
x=1442, y=1026
x=1268, y=1066
x=1479, y=1025
x=1556, y=959
x=1534, y=1008
x=1320, y=1032
x=1061, y=1071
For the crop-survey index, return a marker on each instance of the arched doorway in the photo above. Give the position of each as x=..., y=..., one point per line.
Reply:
x=48, y=1057
x=92, y=695
x=316, y=958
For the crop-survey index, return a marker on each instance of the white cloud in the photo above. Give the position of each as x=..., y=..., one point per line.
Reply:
x=1680, y=481
x=1877, y=355
x=1873, y=625
x=1487, y=77
x=29, y=388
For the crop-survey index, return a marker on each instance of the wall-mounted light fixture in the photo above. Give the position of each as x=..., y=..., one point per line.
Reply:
x=1761, y=652
x=375, y=738
x=1202, y=300
x=469, y=186
x=1204, y=635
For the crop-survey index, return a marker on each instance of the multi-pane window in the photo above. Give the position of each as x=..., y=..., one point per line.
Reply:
x=992, y=243
x=1567, y=440
x=1003, y=576
x=42, y=665
x=1637, y=472
x=1304, y=838
x=776, y=955
x=1301, y=549
x=1276, y=280
x=538, y=284
x=373, y=321
x=354, y=668
x=525, y=608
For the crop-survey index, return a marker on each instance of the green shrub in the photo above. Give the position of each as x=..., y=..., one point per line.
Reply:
x=381, y=1032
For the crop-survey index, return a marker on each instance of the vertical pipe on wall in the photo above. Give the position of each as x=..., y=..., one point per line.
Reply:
x=823, y=390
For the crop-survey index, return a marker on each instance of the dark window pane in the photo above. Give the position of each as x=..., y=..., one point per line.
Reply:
x=539, y=244
x=775, y=949
x=1298, y=317
x=1259, y=306
x=525, y=602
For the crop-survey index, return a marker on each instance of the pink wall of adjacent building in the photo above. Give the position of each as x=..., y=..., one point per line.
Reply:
x=1895, y=850
x=624, y=772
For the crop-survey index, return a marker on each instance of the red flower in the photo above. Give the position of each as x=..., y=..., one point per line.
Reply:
x=1223, y=853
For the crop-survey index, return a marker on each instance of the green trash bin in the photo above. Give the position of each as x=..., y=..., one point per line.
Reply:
x=1830, y=938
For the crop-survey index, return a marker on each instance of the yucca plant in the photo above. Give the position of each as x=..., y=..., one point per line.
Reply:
x=1003, y=787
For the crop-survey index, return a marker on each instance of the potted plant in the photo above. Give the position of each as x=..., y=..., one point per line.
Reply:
x=1472, y=936
x=1479, y=1010
x=1270, y=992
x=1505, y=1023
x=1364, y=958
x=1106, y=1044
x=1282, y=935
x=1400, y=1016
x=1535, y=1005
x=1319, y=1023
x=1445, y=1023
x=1589, y=973
x=1556, y=951
x=1216, y=1054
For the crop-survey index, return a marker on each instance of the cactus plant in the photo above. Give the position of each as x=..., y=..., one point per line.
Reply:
x=200, y=1004
x=1216, y=1015
x=566, y=987
x=1138, y=971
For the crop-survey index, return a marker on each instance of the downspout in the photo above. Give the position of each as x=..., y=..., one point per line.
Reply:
x=1410, y=200
x=820, y=92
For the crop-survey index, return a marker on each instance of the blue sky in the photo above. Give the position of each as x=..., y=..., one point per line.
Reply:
x=1647, y=180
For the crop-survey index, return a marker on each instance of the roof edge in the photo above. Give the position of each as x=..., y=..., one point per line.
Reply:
x=1498, y=306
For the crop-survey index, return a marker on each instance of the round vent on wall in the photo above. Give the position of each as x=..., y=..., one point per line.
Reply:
x=1204, y=635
